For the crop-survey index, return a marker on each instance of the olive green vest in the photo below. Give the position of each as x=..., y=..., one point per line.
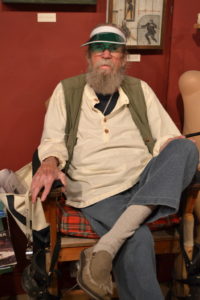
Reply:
x=73, y=90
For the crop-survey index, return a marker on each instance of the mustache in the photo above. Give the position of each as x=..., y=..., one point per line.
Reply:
x=104, y=62
x=101, y=81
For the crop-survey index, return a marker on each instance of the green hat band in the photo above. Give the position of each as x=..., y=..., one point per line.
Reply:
x=106, y=37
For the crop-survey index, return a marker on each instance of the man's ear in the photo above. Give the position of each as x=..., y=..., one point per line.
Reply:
x=124, y=60
x=88, y=55
x=88, y=58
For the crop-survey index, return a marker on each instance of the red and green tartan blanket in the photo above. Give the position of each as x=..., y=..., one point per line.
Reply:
x=74, y=223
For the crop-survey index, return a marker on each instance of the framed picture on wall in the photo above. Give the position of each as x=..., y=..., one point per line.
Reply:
x=141, y=20
x=51, y=1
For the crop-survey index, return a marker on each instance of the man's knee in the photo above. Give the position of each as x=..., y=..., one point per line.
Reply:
x=143, y=236
x=140, y=246
x=184, y=146
x=136, y=251
x=141, y=241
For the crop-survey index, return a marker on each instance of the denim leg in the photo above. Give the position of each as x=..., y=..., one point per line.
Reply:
x=134, y=265
x=102, y=215
x=161, y=183
x=165, y=178
x=135, y=268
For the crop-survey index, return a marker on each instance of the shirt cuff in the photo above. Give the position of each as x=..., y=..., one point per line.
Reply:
x=62, y=162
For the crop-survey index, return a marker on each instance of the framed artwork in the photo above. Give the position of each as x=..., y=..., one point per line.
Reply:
x=141, y=20
x=51, y=1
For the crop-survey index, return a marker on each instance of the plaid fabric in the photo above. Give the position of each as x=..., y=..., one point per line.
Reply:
x=165, y=222
x=73, y=223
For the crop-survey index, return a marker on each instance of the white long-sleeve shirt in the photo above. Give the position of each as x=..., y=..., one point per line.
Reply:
x=110, y=153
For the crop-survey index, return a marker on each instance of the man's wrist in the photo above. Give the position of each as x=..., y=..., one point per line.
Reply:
x=51, y=160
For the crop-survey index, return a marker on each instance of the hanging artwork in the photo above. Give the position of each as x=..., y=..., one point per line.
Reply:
x=89, y=2
x=141, y=20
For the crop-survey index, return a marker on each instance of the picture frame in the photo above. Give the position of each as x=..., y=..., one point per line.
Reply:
x=142, y=21
x=89, y=2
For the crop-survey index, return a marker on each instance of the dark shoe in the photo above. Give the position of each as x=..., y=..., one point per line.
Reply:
x=94, y=274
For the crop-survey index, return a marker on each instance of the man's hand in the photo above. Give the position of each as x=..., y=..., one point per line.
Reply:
x=172, y=139
x=47, y=173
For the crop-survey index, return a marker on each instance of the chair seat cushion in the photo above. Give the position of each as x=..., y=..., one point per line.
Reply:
x=74, y=223
x=166, y=222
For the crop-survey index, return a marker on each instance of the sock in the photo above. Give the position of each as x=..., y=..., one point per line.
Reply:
x=124, y=227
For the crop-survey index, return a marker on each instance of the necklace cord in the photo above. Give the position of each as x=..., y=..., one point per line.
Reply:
x=107, y=104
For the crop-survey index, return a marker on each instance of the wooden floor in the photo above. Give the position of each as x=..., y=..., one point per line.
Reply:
x=66, y=297
x=76, y=296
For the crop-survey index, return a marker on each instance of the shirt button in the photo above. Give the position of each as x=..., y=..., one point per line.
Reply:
x=105, y=120
x=106, y=131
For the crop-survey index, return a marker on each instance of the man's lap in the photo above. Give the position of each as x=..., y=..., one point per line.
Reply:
x=102, y=215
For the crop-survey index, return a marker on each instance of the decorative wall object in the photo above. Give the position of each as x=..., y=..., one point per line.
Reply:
x=51, y=1
x=142, y=21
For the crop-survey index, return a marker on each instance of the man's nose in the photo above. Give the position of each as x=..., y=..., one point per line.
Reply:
x=106, y=54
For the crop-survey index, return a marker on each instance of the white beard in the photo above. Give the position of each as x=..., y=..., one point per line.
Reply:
x=104, y=82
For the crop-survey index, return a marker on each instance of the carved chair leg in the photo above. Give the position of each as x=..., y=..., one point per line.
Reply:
x=197, y=218
x=180, y=272
x=50, y=209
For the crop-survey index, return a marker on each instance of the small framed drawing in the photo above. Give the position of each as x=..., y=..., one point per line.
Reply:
x=50, y=1
x=141, y=20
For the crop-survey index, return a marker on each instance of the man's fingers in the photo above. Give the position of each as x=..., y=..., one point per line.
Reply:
x=63, y=178
x=45, y=193
x=43, y=179
x=34, y=193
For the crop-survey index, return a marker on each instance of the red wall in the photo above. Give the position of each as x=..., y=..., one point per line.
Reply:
x=35, y=56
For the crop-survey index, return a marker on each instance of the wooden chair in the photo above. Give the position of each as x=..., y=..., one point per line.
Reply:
x=189, y=86
x=167, y=240
x=189, y=215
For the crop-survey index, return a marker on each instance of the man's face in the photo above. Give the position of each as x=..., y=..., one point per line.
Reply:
x=106, y=67
x=106, y=58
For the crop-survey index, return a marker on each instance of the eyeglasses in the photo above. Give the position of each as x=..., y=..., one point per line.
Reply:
x=101, y=47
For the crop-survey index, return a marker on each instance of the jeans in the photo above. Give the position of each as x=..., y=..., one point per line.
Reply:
x=161, y=184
